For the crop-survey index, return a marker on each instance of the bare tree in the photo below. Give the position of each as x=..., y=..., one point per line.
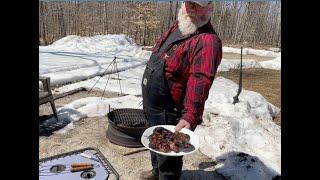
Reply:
x=236, y=22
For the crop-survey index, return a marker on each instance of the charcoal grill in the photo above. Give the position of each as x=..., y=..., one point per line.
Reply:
x=126, y=127
x=58, y=167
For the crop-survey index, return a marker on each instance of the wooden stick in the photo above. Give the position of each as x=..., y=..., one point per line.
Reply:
x=137, y=151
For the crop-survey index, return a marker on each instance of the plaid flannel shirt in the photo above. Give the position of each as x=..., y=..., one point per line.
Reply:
x=191, y=65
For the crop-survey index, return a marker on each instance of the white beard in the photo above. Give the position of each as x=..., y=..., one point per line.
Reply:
x=187, y=26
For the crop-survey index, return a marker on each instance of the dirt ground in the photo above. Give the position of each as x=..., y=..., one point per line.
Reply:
x=250, y=56
x=90, y=132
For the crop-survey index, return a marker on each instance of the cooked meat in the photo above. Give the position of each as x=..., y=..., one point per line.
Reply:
x=181, y=139
x=165, y=141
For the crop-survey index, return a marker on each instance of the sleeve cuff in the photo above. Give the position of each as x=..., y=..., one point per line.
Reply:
x=191, y=120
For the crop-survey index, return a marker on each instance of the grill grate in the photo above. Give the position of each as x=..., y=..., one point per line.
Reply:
x=128, y=117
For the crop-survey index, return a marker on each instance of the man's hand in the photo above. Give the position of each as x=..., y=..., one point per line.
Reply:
x=182, y=124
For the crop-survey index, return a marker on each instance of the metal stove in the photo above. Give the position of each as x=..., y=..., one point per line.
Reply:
x=74, y=165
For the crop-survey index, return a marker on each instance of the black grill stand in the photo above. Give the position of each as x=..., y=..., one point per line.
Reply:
x=114, y=68
x=236, y=97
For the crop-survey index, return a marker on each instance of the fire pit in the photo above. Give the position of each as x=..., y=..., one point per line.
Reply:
x=126, y=127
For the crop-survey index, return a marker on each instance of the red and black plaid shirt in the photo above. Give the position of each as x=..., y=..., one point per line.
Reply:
x=191, y=65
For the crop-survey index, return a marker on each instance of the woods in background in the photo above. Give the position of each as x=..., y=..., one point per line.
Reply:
x=238, y=22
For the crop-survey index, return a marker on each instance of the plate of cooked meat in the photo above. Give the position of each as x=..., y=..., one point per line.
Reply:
x=163, y=139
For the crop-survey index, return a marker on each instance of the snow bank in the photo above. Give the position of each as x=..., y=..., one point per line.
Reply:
x=130, y=75
x=244, y=127
x=99, y=44
x=130, y=78
x=226, y=65
x=235, y=50
x=75, y=58
x=259, y=52
x=221, y=97
x=274, y=49
x=84, y=73
x=272, y=64
x=130, y=82
x=93, y=107
x=248, y=51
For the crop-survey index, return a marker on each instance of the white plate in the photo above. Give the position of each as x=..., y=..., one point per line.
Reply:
x=194, y=140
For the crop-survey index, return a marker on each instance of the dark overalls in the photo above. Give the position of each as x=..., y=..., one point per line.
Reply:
x=159, y=109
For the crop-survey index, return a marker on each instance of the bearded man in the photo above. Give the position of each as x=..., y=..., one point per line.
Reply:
x=178, y=77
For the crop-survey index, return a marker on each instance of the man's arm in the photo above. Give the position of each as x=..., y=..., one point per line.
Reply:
x=205, y=61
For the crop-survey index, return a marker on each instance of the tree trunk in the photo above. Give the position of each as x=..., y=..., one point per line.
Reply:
x=176, y=11
x=245, y=22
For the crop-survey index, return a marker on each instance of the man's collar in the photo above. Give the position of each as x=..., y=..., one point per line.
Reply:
x=205, y=28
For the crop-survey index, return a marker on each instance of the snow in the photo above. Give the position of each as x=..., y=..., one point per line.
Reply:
x=250, y=51
x=272, y=64
x=130, y=82
x=221, y=97
x=244, y=127
x=234, y=50
x=130, y=79
x=75, y=58
x=274, y=49
x=99, y=44
x=93, y=107
x=226, y=65
x=227, y=129
x=259, y=52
